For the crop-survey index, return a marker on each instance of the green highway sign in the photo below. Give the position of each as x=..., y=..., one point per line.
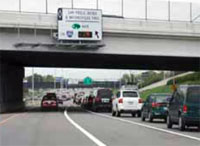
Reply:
x=87, y=81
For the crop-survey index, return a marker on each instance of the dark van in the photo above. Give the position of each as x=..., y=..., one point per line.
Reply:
x=184, y=107
x=102, y=100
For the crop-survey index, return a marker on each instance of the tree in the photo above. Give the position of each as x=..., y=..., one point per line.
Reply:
x=129, y=79
x=37, y=78
x=49, y=78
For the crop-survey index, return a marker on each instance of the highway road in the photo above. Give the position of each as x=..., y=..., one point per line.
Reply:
x=77, y=127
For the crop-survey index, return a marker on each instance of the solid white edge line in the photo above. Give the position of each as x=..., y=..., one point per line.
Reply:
x=90, y=136
x=147, y=126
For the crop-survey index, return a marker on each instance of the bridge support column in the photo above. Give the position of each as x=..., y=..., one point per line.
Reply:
x=11, y=87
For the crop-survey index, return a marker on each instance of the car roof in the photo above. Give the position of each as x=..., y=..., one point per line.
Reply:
x=184, y=88
x=157, y=94
x=129, y=90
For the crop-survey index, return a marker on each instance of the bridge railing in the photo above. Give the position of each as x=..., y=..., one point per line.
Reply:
x=164, y=10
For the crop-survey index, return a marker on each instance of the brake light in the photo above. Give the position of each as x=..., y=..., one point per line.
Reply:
x=185, y=109
x=44, y=102
x=97, y=99
x=140, y=100
x=155, y=104
x=120, y=100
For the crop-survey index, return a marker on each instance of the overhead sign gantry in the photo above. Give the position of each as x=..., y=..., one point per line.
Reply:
x=79, y=24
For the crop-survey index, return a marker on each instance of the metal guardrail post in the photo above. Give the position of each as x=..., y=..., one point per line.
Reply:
x=146, y=8
x=169, y=10
x=46, y=6
x=20, y=8
x=97, y=4
x=72, y=1
x=122, y=7
x=191, y=12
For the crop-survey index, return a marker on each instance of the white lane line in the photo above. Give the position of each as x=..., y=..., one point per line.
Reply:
x=90, y=136
x=147, y=126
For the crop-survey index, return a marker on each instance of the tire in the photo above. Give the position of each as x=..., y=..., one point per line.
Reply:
x=165, y=120
x=118, y=113
x=113, y=113
x=142, y=116
x=169, y=122
x=199, y=128
x=139, y=114
x=133, y=114
x=150, y=117
x=181, y=123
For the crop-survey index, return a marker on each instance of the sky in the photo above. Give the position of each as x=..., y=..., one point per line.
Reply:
x=157, y=9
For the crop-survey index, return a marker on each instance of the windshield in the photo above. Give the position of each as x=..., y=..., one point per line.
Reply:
x=162, y=98
x=49, y=97
x=193, y=95
x=130, y=94
x=105, y=93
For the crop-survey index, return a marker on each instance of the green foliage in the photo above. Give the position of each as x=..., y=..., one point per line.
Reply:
x=40, y=78
x=193, y=78
x=48, y=78
x=161, y=89
x=153, y=77
x=129, y=79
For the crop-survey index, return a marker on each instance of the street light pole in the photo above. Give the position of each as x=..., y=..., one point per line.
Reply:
x=33, y=86
x=55, y=79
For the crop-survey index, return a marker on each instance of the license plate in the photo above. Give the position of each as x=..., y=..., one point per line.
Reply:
x=165, y=108
x=105, y=101
x=130, y=102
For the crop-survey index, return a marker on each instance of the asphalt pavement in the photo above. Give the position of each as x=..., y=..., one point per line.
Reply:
x=77, y=127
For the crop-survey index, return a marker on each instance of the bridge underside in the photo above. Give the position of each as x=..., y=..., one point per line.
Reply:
x=106, y=61
x=12, y=65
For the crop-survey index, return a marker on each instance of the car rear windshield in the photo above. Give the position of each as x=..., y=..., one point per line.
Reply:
x=162, y=98
x=130, y=94
x=49, y=97
x=105, y=93
x=193, y=95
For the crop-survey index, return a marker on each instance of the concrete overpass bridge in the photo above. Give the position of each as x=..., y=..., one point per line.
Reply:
x=26, y=39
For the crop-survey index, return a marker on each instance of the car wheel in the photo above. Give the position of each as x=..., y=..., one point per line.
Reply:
x=118, y=113
x=181, y=123
x=165, y=120
x=169, y=122
x=198, y=128
x=113, y=112
x=139, y=114
x=150, y=117
x=142, y=116
x=133, y=114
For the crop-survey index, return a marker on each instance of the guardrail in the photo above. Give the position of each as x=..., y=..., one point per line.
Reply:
x=164, y=10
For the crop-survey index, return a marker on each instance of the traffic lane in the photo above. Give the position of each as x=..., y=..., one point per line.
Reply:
x=7, y=116
x=41, y=128
x=114, y=132
x=159, y=123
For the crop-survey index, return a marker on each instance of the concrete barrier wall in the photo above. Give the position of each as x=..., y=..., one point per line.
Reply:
x=11, y=87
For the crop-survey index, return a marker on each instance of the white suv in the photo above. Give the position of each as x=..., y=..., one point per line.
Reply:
x=127, y=101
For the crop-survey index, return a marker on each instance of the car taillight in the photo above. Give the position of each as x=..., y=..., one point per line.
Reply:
x=155, y=104
x=185, y=109
x=120, y=100
x=140, y=100
x=97, y=99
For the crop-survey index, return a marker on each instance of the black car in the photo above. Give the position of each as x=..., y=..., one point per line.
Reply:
x=184, y=107
x=155, y=107
x=102, y=100
x=49, y=101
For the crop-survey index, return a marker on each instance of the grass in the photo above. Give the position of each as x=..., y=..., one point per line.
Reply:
x=164, y=89
x=161, y=89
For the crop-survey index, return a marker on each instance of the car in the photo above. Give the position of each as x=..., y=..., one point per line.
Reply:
x=155, y=106
x=184, y=107
x=127, y=101
x=102, y=100
x=49, y=101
